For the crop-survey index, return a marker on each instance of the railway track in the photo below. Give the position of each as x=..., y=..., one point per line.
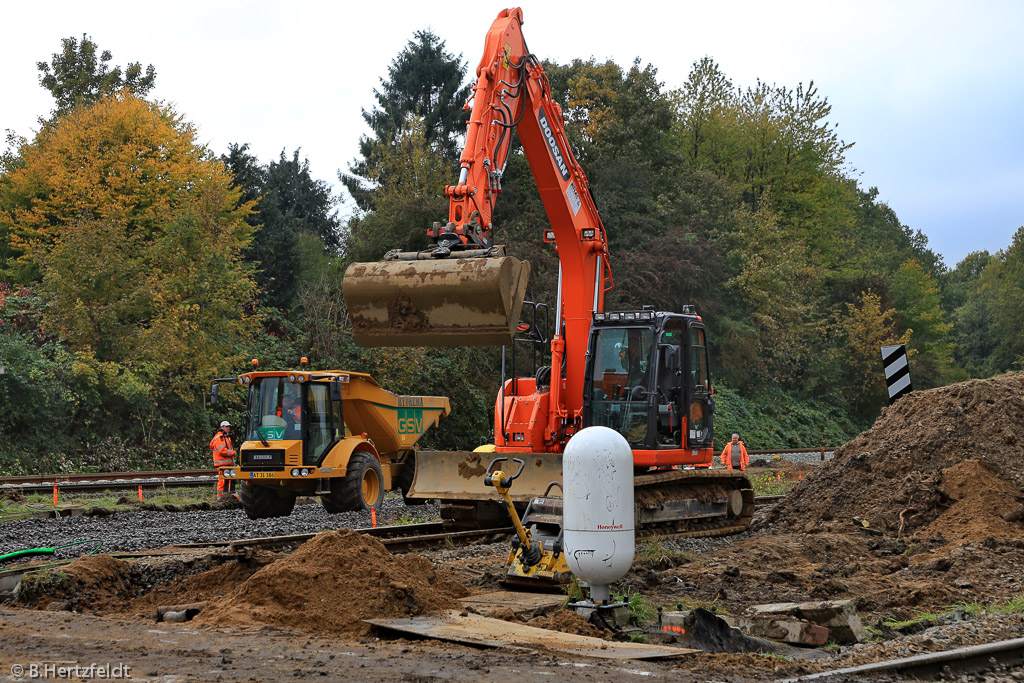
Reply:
x=399, y=538
x=114, y=481
x=109, y=481
x=945, y=665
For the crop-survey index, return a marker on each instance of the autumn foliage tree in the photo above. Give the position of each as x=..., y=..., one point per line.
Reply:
x=868, y=326
x=135, y=232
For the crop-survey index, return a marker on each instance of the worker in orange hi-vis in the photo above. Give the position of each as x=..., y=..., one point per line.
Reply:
x=223, y=457
x=734, y=456
x=292, y=414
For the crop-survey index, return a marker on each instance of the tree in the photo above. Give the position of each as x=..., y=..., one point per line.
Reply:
x=1009, y=310
x=704, y=113
x=424, y=81
x=779, y=316
x=410, y=181
x=868, y=327
x=137, y=236
x=919, y=309
x=289, y=203
x=76, y=75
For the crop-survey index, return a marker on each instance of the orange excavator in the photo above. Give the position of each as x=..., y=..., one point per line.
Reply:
x=641, y=372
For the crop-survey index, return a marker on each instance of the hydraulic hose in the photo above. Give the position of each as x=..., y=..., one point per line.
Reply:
x=26, y=553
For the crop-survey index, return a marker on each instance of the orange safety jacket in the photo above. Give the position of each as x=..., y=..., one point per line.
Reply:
x=726, y=456
x=296, y=413
x=223, y=453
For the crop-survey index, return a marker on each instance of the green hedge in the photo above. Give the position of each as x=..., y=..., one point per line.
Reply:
x=776, y=419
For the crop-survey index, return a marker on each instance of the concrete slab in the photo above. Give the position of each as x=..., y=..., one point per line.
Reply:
x=473, y=629
x=838, y=616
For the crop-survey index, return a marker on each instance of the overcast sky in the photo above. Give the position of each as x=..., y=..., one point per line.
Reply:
x=931, y=93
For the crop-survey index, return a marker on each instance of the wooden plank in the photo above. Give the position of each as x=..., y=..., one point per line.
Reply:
x=482, y=631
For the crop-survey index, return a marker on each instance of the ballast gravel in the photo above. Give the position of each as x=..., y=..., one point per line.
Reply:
x=142, y=530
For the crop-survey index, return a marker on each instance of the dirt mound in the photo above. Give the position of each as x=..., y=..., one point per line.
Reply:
x=981, y=501
x=942, y=462
x=331, y=583
x=206, y=585
x=95, y=583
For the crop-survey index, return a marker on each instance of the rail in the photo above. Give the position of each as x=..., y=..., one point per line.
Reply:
x=946, y=664
x=99, y=481
x=110, y=481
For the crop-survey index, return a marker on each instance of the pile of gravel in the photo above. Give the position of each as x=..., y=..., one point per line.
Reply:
x=141, y=530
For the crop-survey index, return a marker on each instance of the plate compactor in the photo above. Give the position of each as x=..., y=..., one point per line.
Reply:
x=536, y=559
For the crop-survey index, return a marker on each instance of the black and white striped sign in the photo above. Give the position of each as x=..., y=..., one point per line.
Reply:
x=897, y=370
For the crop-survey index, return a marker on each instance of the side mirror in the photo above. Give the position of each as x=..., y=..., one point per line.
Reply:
x=214, y=393
x=334, y=390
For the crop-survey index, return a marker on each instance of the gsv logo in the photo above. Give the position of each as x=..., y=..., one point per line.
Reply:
x=410, y=421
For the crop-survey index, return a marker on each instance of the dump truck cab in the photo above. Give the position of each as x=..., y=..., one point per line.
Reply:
x=333, y=434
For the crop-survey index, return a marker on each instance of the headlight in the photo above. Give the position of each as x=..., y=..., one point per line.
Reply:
x=295, y=472
x=248, y=379
x=301, y=378
x=305, y=472
x=291, y=377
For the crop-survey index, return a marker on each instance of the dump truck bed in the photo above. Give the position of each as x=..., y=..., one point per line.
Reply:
x=394, y=422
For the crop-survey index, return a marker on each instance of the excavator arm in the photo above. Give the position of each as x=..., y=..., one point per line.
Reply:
x=465, y=290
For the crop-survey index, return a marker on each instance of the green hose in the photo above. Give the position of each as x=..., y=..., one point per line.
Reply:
x=30, y=552
x=26, y=553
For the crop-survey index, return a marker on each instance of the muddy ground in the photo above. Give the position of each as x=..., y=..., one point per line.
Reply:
x=910, y=520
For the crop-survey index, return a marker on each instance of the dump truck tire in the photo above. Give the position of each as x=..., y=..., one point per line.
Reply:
x=361, y=489
x=262, y=502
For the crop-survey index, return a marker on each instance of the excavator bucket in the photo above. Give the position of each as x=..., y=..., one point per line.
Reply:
x=459, y=475
x=438, y=302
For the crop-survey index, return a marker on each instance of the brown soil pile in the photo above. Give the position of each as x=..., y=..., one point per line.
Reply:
x=943, y=462
x=95, y=583
x=333, y=582
x=208, y=585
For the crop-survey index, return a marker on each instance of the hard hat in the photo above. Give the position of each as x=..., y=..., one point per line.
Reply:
x=225, y=423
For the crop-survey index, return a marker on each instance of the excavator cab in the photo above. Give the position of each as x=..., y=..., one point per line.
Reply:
x=647, y=379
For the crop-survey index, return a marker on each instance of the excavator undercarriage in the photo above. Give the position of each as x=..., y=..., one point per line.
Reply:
x=671, y=502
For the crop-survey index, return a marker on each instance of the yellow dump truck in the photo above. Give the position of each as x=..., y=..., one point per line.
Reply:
x=333, y=434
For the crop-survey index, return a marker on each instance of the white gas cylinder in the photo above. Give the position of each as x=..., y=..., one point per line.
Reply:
x=598, y=508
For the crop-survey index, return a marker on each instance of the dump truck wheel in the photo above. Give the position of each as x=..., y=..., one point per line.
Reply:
x=361, y=489
x=262, y=502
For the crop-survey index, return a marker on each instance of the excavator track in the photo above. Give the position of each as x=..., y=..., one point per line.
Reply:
x=670, y=503
x=722, y=503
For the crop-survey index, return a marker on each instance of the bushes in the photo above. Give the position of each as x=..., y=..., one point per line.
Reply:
x=776, y=419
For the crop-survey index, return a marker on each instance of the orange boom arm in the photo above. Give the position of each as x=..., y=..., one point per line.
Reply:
x=512, y=91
